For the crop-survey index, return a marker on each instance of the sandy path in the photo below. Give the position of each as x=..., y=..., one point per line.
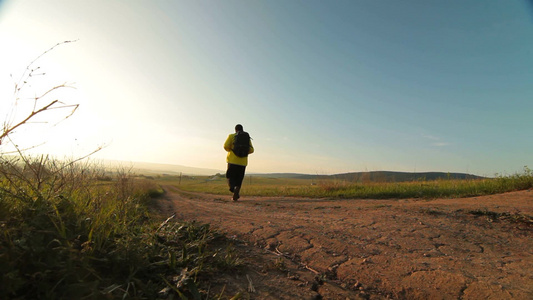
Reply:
x=400, y=249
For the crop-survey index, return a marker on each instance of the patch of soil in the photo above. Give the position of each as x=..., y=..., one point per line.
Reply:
x=298, y=248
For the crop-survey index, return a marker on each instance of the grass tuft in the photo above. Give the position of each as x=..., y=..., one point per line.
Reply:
x=492, y=216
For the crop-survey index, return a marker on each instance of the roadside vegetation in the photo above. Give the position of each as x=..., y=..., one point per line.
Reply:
x=332, y=188
x=71, y=231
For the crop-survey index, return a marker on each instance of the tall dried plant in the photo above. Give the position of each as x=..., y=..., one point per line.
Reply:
x=41, y=101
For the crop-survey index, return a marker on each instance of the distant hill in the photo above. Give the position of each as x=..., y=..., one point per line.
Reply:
x=374, y=176
x=378, y=176
x=154, y=168
x=280, y=175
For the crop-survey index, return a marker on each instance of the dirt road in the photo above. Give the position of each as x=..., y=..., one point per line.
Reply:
x=470, y=248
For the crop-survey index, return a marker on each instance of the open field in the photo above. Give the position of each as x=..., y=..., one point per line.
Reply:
x=312, y=248
x=336, y=188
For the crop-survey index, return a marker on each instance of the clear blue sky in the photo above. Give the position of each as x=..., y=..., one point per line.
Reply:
x=322, y=86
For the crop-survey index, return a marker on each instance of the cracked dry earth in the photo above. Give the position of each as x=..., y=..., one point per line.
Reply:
x=372, y=249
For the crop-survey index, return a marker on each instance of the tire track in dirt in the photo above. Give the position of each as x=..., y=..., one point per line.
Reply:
x=402, y=249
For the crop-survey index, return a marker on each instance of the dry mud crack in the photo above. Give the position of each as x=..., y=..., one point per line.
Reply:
x=468, y=248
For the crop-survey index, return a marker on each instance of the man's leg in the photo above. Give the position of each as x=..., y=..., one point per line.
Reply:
x=236, y=195
x=230, y=175
x=239, y=176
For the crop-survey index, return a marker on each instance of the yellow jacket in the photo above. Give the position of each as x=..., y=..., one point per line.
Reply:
x=232, y=158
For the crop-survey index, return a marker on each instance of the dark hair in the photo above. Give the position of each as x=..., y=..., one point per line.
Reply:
x=238, y=127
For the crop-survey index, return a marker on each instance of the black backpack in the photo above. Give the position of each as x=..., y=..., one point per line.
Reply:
x=241, y=144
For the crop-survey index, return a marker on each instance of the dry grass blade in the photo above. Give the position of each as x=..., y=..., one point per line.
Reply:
x=251, y=288
x=166, y=221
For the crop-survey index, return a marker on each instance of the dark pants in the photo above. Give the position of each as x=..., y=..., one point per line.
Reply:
x=235, y=175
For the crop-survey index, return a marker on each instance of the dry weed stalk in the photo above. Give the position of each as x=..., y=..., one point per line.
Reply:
x=12, y=121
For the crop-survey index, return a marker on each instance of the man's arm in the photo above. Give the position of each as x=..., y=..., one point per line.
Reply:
x=228, y=145
x=251, y=148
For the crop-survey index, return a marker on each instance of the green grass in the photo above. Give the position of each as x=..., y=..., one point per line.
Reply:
x=260, y=186
x=69, y=231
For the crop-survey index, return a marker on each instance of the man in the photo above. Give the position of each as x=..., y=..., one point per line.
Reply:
x=238, y=145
